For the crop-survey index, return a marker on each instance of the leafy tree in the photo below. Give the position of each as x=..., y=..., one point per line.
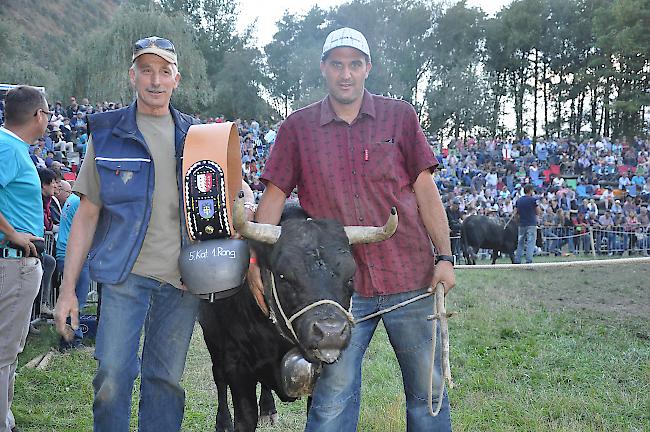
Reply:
x=214, y=22
x=621, y=29
x=237, y=94
x=457, y=91
x=293, y=57
x=99, y=70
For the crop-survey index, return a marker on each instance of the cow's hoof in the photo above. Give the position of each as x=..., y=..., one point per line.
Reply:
x=224, y=426
x=268, y=419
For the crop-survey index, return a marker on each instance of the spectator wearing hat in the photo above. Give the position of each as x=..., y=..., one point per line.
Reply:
x=131, y=173
x=127, y=293
x=321, y=135
x=78, y=122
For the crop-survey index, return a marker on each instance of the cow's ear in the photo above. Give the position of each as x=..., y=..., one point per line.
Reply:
x=262, y=252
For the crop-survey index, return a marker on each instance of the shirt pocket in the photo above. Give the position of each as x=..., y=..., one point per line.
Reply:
x=380, y=160
x=122, y=179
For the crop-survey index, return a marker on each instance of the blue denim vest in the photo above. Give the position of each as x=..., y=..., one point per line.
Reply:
x=126, y=176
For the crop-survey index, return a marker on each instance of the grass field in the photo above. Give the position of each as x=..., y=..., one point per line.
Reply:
x=532, y=350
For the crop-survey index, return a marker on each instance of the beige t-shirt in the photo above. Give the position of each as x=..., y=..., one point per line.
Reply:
x=158, y=258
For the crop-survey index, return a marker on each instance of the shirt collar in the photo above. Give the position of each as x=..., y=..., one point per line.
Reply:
x=327, y=114
x=4, y=129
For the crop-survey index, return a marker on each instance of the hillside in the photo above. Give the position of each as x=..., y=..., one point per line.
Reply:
x=49, y=30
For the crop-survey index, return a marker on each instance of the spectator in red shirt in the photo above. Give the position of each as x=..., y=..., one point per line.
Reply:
x=352, y=156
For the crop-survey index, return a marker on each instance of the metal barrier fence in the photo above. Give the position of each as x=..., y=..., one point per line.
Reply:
x=37, y=313
x=616, y=240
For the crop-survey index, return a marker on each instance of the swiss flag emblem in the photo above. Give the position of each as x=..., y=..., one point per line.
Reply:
x=204, y=182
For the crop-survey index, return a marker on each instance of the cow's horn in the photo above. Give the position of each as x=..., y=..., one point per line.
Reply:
x=371, y=234
x=264, y=233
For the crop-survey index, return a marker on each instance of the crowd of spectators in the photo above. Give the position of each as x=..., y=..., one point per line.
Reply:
x=592, y=185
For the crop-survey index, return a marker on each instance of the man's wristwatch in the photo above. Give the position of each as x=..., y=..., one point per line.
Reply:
x=448, y=258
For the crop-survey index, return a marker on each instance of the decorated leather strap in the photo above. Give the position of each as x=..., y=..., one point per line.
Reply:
x=212, y=178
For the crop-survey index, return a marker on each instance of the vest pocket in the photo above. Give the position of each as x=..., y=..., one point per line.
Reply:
x=122, y=180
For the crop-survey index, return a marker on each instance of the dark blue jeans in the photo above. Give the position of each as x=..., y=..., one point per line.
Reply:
x=337, y=394
x=167, y=315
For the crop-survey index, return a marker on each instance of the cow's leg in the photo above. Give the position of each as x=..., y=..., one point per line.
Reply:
x=495, y=255
x=224, y=419
x=268, y=412
x=244, y=401
x=472, y=256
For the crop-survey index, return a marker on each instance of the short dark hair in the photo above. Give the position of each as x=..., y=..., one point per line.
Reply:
x=21, y=103
x=324, y=57
x=46, y=175
x=528, y=188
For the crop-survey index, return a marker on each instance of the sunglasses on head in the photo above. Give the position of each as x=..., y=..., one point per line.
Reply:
x=154, y=41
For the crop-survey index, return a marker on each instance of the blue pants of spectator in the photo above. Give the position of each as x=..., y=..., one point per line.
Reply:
x=337, y=395
x=45, y=296
x=526, y=237
x=81, y=290
x=167, y=315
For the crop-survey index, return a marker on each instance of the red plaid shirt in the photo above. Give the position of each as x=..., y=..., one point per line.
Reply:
x=354, y=174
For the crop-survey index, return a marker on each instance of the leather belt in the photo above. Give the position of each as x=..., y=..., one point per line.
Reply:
x=212, y=178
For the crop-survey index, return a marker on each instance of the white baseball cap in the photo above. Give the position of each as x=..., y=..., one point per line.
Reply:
x=346, y=37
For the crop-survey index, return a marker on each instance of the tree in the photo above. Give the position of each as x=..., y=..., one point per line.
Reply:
x=237, y=94
x=292, y=59
x=99, y=70
x=457, y=90
x=621, y=29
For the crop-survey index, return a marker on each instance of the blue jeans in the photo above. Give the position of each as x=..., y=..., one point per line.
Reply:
x=167, y=315
x=337, y=394
x=526, y=236
x=81, y=289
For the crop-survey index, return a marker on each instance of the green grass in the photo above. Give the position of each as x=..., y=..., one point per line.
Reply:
x=535, y=350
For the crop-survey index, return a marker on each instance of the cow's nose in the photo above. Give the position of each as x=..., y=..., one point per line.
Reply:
x=329, y=330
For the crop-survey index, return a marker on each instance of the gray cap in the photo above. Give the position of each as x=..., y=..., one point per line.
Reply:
x=346, y=37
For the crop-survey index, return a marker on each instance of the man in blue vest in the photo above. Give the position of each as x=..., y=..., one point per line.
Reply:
x=129, y=218
x=21, y=223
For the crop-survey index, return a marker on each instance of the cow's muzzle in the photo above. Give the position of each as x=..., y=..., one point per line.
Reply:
x=324, y=336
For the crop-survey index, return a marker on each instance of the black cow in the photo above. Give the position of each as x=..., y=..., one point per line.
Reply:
x=308, y=261
x=483, y=232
